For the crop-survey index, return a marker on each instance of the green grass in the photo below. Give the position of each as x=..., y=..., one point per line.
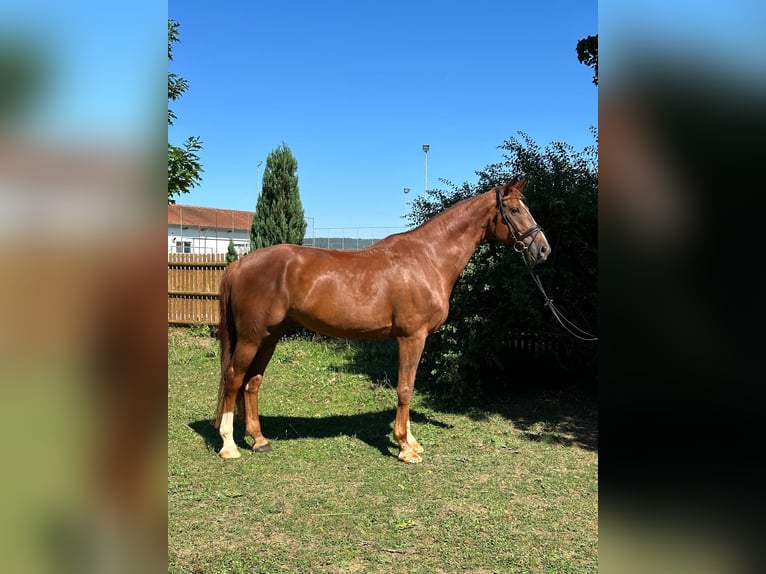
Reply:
x=512, y=487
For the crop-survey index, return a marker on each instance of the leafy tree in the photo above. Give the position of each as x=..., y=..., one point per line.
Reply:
x=231, y=253
x=184, y=166
x=495, y=302
x=279, y=216
x=587, y=53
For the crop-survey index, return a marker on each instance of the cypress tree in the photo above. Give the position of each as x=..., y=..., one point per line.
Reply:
x=231, y=253
x=279, y=216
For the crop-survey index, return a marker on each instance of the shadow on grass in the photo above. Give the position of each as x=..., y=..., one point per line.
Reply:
x=371, y=428
x=545, y=404
x=546, y=414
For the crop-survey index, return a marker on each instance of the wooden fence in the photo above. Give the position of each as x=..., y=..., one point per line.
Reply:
x=193, y=281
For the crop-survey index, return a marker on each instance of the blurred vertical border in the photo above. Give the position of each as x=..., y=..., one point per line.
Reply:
x=83, y=341
x=682, y=113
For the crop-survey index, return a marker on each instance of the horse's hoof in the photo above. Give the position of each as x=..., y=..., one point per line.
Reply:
x=410, y=457
x=230, y=453
x=263, y=448
x=417, y=448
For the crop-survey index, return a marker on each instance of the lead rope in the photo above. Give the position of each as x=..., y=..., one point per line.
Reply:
x=559, y=317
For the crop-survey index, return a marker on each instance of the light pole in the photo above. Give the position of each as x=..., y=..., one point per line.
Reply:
x=426, y=147
x=258, y=176
x=406, y=191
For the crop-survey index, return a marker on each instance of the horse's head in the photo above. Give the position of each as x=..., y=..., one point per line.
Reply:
x=514, y=224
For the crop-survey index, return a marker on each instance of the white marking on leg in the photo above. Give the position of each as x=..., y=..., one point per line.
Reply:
x=410, y=438
x=227, y=434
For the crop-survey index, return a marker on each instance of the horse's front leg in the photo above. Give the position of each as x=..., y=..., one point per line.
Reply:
x=412, y=441
x=410, y=350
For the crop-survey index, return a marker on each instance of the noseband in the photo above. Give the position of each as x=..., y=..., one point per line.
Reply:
x=519, y=246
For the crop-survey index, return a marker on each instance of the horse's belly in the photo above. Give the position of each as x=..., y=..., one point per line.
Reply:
x=345, y=317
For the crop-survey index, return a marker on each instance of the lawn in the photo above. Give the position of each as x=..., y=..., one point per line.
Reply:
x=509, y=487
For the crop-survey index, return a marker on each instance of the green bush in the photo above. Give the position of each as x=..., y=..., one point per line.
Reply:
x=495, y=305
x=231, y=253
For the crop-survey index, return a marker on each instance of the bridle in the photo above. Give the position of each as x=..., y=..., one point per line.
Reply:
x=519, y=246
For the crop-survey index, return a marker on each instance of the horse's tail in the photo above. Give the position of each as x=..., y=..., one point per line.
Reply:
x=227, y=334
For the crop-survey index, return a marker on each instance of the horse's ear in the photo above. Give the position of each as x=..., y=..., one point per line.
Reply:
x=522, y=184
x=509, y=186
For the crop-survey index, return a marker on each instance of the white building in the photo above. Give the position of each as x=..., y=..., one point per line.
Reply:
x=194, y=229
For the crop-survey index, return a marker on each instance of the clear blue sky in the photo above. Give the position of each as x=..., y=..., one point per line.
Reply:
x=104, y=63
x=356, y=88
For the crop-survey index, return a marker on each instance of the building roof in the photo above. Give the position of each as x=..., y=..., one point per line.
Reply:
x=209, y=217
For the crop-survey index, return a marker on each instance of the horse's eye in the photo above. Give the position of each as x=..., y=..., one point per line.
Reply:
x=514, y=210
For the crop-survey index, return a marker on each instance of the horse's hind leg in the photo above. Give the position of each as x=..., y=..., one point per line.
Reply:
x=244, y=355
x=252, y=386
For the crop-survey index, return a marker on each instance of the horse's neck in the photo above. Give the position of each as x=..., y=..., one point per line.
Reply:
x=453, y=235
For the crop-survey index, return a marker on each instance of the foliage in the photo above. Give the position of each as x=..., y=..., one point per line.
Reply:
x=184, y=166
x=200, y=330
x=495, y=303
x=587, y=53
x=231, y=253
x=279, y=216
x=176, y=84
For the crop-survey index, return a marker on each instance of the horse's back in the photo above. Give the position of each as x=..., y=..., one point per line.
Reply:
x=368, y=293
x=293, y=271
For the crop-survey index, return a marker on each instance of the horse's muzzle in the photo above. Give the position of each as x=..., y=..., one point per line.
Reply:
x=538, y=251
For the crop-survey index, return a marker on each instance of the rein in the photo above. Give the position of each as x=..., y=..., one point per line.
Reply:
x=520, y=247
x=559, y=317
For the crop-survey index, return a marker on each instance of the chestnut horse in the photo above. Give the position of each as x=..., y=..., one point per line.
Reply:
x=398, y=288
